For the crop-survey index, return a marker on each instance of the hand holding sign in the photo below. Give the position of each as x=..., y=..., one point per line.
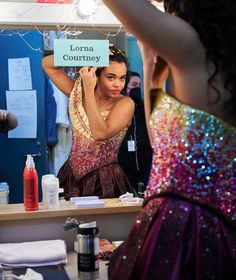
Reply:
x=89, y=78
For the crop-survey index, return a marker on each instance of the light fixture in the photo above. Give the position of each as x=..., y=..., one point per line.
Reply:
x=86, y=8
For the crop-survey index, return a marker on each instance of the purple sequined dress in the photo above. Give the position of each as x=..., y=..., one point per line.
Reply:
x=187, y=228
x=92, y=167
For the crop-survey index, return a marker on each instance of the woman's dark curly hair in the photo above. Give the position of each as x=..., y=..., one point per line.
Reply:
x=119, y=56
x=215, y=22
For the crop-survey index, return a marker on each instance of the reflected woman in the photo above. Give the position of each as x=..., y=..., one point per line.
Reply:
x=95, y=107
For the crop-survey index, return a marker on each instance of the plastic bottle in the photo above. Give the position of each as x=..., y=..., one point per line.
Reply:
x=44, y=180
x=4, y=192
x=51, y=193
x=30, y=185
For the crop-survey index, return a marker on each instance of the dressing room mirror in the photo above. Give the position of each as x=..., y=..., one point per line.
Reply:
x=28, y=47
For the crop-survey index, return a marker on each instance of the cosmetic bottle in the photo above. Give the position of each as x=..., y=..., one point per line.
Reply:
x=141, y=190
x=45, y=178
x=30, y=185
x=4, y=193
x=51, y=193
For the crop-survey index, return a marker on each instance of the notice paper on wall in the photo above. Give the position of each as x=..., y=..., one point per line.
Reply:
x=19, y=73
x=24, y=105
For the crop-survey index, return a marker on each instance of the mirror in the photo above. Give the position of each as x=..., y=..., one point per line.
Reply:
x=35, y=44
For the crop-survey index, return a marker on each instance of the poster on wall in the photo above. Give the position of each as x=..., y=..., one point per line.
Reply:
x=19, y=73
x=24, y=105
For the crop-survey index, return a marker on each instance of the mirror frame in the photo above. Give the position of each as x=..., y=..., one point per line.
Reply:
x=44, y=16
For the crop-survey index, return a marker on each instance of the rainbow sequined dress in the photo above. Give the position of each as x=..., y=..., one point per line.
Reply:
x=91, y=168
x=187, y=228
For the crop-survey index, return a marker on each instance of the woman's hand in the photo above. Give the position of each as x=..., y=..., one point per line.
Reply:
x=3, y=115
x=89, y=78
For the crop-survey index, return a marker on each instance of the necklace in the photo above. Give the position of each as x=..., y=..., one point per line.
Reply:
x=104, y=104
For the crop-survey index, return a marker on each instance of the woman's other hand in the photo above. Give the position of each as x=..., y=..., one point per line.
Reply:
x=89, y=78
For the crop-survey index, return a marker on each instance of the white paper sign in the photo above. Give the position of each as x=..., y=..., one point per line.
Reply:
x=24, y=105
x=19, y=73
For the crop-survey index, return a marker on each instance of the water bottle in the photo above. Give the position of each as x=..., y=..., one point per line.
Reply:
x=88, y=251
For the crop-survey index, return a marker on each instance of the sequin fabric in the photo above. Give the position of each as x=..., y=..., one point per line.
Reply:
x=186, y=229
x=86, y=153
x=173, y=239
x=194, y=156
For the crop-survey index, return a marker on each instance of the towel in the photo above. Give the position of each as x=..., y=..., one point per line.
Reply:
x=32, y=254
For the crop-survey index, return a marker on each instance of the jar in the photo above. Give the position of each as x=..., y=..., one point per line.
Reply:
x=4, y=193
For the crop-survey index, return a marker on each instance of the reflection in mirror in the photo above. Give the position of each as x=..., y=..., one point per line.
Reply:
x=52, y=143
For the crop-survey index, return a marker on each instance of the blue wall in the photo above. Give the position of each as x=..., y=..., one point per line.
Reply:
x=13, y=151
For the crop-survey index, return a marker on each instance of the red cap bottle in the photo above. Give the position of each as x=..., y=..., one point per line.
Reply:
x=30, y=185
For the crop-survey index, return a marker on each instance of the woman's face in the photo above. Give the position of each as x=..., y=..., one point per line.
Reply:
x=133, y=83
x=112, y=79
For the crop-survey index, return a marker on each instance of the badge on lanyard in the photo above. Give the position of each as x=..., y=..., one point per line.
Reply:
x=131, y=145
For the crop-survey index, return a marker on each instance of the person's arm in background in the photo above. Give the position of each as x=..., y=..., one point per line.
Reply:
x=57, y=75
x=149, y=60
x=8, y=121
x=160, y=31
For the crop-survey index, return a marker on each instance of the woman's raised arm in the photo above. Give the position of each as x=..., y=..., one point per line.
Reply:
x=171, y=37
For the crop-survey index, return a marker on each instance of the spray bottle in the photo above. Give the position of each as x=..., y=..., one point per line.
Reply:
x=30, y=185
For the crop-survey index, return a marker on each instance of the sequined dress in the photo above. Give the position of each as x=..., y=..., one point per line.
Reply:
x=91, y=168
x=187, y=228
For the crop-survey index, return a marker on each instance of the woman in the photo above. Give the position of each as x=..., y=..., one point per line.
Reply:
x=187, y=228
x=96, y=106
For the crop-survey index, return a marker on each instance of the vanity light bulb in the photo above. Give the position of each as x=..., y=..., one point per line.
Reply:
x=86, y=8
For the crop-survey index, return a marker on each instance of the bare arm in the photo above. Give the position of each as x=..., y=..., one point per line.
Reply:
x=119, y=117
x=9, y=118
x=13, y=123
x=58, y=76
x=149, y=60
x=161, y=31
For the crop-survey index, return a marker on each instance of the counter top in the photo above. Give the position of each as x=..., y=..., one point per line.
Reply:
x=12, y=212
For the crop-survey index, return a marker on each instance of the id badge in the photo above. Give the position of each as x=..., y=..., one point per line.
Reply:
x=131, y=146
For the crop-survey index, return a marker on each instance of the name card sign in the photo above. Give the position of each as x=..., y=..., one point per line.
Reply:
x=74, y=52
